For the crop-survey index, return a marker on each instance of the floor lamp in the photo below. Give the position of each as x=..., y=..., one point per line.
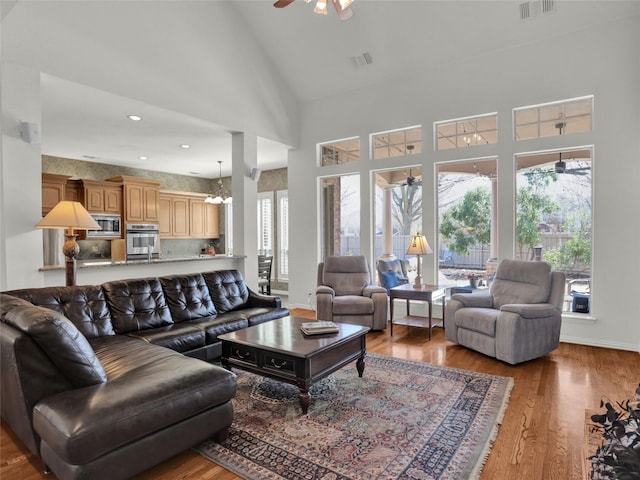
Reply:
x=71, y=216
x=418, y=246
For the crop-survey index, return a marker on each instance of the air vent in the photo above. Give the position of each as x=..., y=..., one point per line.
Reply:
x=363, y=60
x=536, y=8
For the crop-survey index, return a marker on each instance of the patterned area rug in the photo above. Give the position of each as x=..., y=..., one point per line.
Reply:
x=402, y=420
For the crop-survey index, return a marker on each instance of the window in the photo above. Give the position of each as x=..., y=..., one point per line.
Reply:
x=467, y=219
x=398, y=212
x=341, y=215
x=467, y=132
x=265, y=223
x=283, y=234
x=340, y=152
x=553, y=216
x=397, y=143
x=556, y=118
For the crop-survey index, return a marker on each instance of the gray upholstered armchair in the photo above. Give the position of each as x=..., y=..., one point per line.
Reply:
x=346, y=293
x=517, y=319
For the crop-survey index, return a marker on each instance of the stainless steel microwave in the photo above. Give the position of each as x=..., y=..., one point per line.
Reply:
x=111, y=226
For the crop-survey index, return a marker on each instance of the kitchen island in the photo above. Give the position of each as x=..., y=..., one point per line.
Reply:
x=95, y=272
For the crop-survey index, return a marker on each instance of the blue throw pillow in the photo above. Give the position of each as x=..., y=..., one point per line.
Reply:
x=401, y=279
x=389, y=279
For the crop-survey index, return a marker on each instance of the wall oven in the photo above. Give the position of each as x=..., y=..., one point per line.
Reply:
x=143, y=241
x=110, y=226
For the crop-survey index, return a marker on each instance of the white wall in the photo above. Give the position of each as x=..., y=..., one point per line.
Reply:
x=604, y=62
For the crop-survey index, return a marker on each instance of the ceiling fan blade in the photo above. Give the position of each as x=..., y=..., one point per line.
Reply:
x=282, y=3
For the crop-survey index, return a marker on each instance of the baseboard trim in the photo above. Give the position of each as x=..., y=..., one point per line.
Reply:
x=599, y=343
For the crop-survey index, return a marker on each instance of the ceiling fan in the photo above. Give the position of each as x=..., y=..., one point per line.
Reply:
x=560, y=167
x=343, y=7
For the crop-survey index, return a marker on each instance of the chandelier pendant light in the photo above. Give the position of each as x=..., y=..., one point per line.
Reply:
x=221, y=194
x=343, y=7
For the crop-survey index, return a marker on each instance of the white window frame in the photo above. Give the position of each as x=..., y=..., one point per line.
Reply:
x=282, y=222
x=263, y=249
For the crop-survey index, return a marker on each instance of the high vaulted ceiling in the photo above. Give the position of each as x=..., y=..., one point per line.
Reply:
x=315, y=56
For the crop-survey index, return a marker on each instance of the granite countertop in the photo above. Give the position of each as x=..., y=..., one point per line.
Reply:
x=115, y=263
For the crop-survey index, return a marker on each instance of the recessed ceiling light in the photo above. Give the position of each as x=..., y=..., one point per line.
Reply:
x=142, y=157
x=184, y=145
x=135, y=118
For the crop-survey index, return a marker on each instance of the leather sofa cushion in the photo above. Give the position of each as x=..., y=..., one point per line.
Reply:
x=137, y=304
x=67, y=348
x=219, y=324
x=178, y=337
x=188, y=297
x=84, y=305
x=228, y=289
x=150, y=388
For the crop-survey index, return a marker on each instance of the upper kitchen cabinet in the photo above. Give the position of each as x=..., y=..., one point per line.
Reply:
x=140, y=198
x=102, y=197
x=185, y=215
x=53, y=190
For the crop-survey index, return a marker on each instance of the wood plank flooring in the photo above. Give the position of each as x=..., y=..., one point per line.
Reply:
x=542, y=435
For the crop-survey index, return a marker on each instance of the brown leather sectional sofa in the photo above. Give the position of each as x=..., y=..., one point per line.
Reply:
x=98, y=380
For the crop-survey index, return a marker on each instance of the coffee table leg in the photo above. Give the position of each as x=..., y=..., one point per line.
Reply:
x=360, y=366
x=304, y=400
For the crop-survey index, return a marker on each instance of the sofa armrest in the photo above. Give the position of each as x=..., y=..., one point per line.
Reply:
x=479, y=300
x=324, y=303
x=259, y=300
x=530, y=310
x=369, y=290
x=323, y=289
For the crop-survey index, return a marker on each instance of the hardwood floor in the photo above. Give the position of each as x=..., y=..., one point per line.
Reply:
x=542, y=435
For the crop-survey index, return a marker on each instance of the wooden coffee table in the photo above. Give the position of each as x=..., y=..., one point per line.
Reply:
x=279, y=350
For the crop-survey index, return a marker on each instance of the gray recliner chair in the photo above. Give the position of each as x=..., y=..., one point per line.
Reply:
x=347, y=294
x=517, y=319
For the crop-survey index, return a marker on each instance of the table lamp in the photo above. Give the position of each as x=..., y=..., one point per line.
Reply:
x=418, y=246
x=72, y=216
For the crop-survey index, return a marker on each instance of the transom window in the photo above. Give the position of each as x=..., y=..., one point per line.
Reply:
x=467, y=132
x=396, y=143
x=340, y=152
x=556, y=118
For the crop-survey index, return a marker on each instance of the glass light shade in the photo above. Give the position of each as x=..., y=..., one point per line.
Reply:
x=321, y=7
x=419, y=246
x=70, y=215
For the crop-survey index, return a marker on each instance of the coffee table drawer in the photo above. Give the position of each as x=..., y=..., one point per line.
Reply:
x=243, y=354
x=279, y=363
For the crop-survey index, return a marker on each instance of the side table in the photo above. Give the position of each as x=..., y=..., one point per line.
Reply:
x=425, y=293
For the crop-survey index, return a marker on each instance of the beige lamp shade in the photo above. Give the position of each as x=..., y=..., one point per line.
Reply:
x=69, y=215
x=419, y=246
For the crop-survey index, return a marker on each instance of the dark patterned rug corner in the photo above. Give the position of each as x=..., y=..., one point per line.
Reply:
x=402, y=420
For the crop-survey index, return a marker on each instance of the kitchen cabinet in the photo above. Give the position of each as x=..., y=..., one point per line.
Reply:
x=211, y=220
x=102, y=197
x=185, y=215
x=173, y=215
x=140, y=198
x=53, y=190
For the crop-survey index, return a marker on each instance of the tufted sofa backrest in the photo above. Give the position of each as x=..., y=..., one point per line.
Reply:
x=188, y=297
x=86, y=306
x=518, y=281
x=227, y=288
x=137, y=304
